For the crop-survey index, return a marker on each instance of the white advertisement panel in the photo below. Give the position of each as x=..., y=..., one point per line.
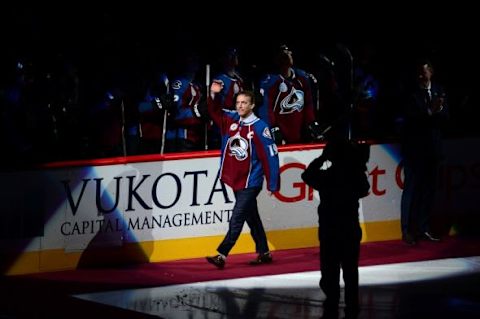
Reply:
x=78, y=207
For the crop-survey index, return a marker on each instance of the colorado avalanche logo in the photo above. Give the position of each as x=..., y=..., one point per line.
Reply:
x=176, y=85
x=266, y=133
x=238, y=147
x=294, y=101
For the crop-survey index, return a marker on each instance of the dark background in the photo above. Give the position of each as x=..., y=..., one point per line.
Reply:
x=94, y=33
x=126, y=41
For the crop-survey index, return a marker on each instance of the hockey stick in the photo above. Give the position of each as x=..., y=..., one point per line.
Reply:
x=207, y=84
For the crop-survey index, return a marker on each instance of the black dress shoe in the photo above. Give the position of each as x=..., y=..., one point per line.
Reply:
x=265, y=258
x=217, y=260
x=409, y=239
x=429, y=236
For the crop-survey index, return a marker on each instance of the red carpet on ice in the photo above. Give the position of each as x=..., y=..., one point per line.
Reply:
x=285, y=261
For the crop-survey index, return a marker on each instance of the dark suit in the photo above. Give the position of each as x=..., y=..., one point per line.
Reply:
x=422, y=154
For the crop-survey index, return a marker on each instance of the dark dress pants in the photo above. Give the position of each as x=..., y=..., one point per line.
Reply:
x=245, y=210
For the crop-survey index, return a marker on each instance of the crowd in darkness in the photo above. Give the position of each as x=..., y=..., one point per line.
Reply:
x=75, y=86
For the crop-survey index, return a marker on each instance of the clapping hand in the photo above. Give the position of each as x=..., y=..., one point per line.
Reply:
x=216, y=86
x=437, y=103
